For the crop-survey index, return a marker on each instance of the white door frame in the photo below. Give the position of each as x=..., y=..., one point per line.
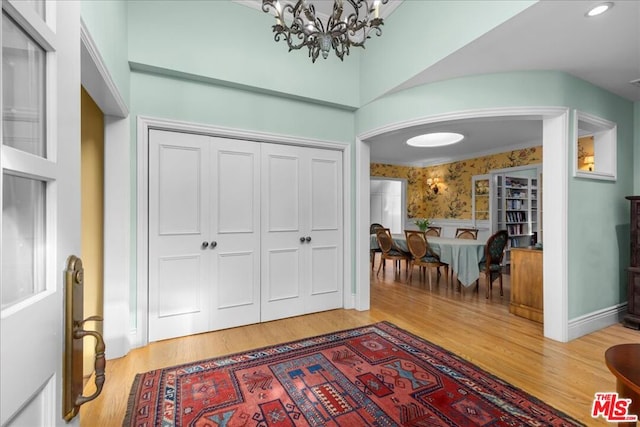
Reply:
x=555, y=155
x=100, y=85
x=144, y=123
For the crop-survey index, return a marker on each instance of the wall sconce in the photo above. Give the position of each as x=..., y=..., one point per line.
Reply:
x=432, y=183
x=589, y=161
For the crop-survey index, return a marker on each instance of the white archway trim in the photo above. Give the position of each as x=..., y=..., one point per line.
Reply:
x=555, y=169
x=519, y=112
x=144, y=123
x=97, y=81
x=555, y=200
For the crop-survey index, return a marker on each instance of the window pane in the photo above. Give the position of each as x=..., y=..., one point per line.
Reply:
x=23, y=238
x=23, y=90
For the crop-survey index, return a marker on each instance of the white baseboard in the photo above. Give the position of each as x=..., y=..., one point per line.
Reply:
x=597, y=320
x=350, y=301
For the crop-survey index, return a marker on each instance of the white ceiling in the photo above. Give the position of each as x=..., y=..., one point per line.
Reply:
x=550, y=35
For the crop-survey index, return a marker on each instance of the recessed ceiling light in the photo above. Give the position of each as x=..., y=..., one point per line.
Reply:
x=599, y=9
x=436, y=139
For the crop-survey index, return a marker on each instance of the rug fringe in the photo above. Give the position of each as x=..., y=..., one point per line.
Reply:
x=131, y=401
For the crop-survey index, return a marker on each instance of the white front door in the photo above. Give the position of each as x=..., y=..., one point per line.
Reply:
x=301, y=230
x=40, y=184
x=204, y=233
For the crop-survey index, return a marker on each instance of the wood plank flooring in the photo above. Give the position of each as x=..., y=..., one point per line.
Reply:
x=565, y=375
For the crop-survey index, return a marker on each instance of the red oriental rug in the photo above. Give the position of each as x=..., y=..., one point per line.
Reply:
x=377, y=375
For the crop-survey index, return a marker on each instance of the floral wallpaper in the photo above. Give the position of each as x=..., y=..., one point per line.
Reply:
x=585, y=149
x=453, y=199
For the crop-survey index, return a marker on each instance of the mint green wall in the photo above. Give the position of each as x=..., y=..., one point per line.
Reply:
x=598, y=213
x=420, y=33
x=233, y=45
x=165, y=97
x=106, y=21
x=254, y=83
x=528, y=88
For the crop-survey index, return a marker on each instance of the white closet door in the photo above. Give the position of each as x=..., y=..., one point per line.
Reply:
x=235, y=239
x=301, y=231
x=324, y=272
x=179, y=291
x=283, y=233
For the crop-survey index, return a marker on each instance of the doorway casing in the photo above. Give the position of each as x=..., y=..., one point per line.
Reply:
x=555, y=154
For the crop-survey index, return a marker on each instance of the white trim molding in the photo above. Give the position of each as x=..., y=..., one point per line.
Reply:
x=145, y=123
x=96, y=78
x=555, y=168
x=605, y=145
x=97, y=81
x=597, y=320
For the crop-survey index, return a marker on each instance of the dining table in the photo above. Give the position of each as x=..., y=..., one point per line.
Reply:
x=462, y=255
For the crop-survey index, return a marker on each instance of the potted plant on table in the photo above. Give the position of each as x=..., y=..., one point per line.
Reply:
x=422, y=223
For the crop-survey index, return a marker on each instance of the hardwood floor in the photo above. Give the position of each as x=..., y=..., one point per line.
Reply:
x=565, y=375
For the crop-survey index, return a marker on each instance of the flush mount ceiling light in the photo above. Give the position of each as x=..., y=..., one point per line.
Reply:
x=436, y=139
x=349, y=25
x=599, y=9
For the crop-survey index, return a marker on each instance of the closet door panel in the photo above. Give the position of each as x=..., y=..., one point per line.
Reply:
x=283, y=253
x=179, y=291
x=326, y=193
x=324, y=273
x=235, y=239
x=284, y=193
x=232, y=269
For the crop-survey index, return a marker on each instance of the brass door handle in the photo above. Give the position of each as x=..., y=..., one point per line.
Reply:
x=74, y=340
x=100, y=361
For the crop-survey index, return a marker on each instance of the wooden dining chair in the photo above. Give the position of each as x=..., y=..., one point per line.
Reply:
x=467, y=233
x=391, y=251
x=422, y=255
x=433, y=231
x=373, y=251
x=493, y=256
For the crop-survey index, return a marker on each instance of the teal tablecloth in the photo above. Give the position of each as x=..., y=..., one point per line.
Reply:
x=462, y=255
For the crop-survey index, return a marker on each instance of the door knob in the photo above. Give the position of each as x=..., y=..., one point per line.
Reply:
x=205, y=245
x=302, y=239
x=213, y=244
x=308, y=238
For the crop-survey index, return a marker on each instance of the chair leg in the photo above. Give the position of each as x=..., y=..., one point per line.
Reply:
x=382, y=260
x=501, y=293
x=487, y=278
x=410, y=272
x=429, y=273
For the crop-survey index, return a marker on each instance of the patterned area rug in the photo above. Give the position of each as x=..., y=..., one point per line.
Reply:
x=377, y=375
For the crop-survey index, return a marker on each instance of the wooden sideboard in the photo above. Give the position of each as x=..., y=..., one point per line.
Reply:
x=632, y=318
x=526, y=283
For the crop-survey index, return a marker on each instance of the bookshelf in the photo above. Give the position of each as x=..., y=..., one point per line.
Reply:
x=480, y=199
x=516, y=210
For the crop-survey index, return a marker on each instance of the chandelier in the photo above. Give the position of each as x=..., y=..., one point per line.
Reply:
x=299, y=26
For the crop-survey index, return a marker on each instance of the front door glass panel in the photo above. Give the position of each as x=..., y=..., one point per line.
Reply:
x=23, y=90
x=23, y=238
